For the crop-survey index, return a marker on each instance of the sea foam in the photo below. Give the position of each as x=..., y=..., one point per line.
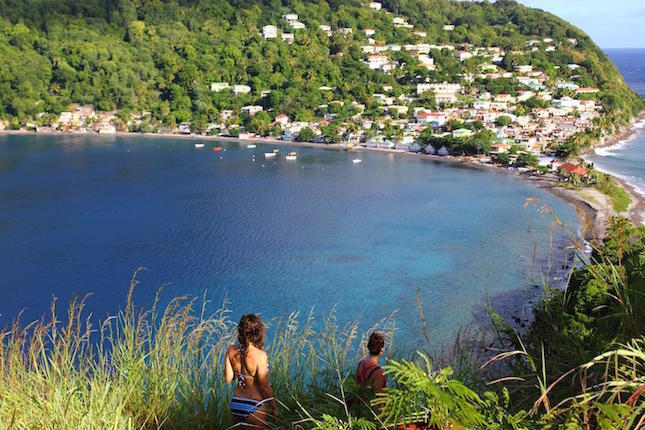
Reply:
x=611, y=151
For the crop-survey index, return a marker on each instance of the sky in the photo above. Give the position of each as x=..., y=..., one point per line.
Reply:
x=610, y=23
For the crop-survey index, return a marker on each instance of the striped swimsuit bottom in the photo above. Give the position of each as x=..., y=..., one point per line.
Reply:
x=242, y=407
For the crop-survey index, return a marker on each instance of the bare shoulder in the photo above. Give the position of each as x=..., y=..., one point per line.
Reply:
x=259, y=356
x=232, y=351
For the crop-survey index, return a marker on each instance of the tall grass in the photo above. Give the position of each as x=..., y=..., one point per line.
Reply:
x=161, y=368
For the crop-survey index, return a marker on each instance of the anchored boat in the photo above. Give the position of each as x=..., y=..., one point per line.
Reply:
x=291, y=156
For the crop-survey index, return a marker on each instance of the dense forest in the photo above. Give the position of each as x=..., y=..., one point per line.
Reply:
x=136, y=56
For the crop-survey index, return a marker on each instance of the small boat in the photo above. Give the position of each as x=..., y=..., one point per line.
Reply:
x=356, y=160
x=276, y=150
x=269, y=154
x=217, y=148
x=291, y=156
x=251, y=146
x=199, y=145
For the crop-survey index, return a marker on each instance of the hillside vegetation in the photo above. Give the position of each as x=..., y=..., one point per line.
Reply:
x=160, y=57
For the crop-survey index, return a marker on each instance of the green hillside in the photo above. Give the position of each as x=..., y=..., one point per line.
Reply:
x=161, y=56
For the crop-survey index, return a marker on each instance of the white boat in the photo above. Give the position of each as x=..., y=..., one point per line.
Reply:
x=199, y=145
x=276, y=150
x=250, y=146
x=291, y=156
x=356, y=160
x=269, y=154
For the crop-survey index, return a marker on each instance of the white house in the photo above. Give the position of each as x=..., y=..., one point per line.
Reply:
x=374, y=5
x=369, y=31
x=567, y=86
x=270, y=31
x=282, y=119
x=376, y=61
x=240, y=89
x=449, y=27
x=566, y=103
x=219, y=86
x=481, y=105
x=290, y=17
x=251, y=110
x=296, y=25
x=184, y=128
x=380, y=62
x=427, y=61
x=524, y=68
x=106, y=128
x=66, y=118
x=463, y=55
x=423, y=48
x=287, y=37
x=523, y=95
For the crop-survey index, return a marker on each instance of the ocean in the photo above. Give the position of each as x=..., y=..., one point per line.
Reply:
x=79, y=214
x=626, y=159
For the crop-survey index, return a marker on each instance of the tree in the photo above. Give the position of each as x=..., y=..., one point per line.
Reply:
x=503, y=159
x=526, y=159
x=259, y=123
x=503, y=121
x=306, y=134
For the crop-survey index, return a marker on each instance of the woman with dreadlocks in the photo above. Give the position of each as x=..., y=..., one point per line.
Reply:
x=247, y=367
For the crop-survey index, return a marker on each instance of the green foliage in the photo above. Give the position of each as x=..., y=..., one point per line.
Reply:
x=584, y=330
x=503, y=159
x=306, y=134
x=140, y=56
x=503, y=121
x=620, y=198
x=526, y=159
x=478, y=143
x=425, y=396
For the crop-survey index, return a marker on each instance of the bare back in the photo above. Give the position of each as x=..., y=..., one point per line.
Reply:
x=248, y=375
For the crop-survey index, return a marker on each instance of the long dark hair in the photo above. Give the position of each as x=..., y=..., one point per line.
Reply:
x=250, y=331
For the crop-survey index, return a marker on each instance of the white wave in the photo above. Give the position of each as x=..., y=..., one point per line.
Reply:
x=610, y=151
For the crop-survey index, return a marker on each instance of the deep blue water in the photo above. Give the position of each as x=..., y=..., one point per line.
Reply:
x=627, y=158
x=80, y=214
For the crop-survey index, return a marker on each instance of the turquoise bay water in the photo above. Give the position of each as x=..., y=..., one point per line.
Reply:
x=80, y=214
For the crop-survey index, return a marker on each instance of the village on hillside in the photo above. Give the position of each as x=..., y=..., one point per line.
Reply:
x=472, y=111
